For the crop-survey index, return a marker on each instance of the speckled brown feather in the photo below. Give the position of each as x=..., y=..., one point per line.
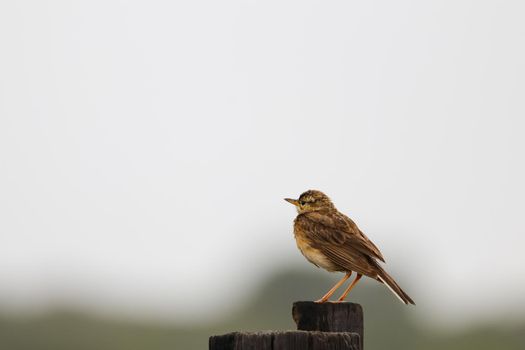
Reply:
x=341, y=246
x=331, y=240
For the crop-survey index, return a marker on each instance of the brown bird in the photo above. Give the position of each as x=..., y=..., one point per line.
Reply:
x=331, y=240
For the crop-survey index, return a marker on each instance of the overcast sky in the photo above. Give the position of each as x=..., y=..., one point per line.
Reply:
x=146, y=146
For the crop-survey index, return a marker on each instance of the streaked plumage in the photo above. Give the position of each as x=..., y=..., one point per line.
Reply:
x=331, y=240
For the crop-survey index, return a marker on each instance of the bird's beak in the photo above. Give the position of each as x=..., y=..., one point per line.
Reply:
x=293, y=201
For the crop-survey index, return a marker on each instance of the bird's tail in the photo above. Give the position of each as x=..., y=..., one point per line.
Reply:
x=385, y=278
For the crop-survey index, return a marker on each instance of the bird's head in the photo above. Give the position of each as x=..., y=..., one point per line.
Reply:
x=310, y=201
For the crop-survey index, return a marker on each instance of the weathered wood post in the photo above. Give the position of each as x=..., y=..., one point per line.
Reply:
x=334, y=326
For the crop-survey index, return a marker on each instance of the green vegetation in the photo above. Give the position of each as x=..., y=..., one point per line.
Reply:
x=388, y=324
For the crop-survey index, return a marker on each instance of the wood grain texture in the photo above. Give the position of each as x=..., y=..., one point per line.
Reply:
x=329, y=317
x=288, y=340
x=334, y=326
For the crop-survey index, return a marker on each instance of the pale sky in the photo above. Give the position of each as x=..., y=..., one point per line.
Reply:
x=146, y=146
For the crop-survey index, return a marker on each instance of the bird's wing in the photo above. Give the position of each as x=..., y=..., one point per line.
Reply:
x=340, y=229
x=337, y=245
x=366, y=241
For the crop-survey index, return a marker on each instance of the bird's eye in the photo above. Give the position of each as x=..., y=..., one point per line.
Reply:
x=302, y=202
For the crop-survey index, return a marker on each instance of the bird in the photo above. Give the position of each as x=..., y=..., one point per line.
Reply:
x=331, y=240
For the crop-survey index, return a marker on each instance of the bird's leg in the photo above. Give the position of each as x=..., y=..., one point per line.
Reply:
x=327, y=296
x=354, y=282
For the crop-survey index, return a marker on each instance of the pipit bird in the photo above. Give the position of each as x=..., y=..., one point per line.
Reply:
x=331, y=240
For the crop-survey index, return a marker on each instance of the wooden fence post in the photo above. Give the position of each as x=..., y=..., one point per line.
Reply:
x=335, y=326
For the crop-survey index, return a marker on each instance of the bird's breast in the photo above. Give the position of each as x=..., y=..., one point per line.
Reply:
x=313, y=255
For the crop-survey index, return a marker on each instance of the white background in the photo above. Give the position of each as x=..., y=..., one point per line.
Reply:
x=146, y=146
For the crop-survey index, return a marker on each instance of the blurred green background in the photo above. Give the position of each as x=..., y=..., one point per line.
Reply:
x=388, y=323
